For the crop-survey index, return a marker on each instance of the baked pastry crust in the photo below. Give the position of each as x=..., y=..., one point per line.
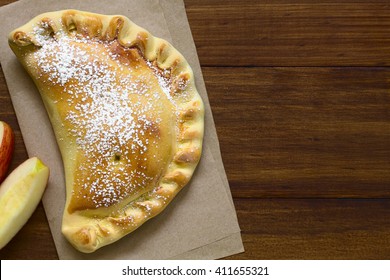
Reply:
x=126, y=114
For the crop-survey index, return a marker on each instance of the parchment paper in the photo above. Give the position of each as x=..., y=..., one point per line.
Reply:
x=201, y=222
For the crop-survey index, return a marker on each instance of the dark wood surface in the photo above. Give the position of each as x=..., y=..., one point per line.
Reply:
x=300, y=92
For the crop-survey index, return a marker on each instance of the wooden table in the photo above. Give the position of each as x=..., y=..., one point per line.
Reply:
x=300, y=93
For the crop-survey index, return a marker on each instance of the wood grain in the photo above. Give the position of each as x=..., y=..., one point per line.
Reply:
x=300, y=96
x=291, y=33
x=303, y=132
x=314, y=228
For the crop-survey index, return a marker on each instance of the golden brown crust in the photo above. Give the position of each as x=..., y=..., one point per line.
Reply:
x=88, y=227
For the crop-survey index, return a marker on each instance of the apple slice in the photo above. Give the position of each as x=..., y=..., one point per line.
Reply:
x=6, y=148
x=20, y=194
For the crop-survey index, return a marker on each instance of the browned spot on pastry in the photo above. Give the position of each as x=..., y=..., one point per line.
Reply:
x=21, y=38
x=91, y=26
x=47, y=23
x=164, y=192
x=67, y=19
x=187, y=156
x=180, y=83
x=114, y=28
x=196, y=104
x=162, y=53
x=190, y=114
x=176, y=66
x=141, y=41
x=178, y=177
x=127, y=56
x=83, y=236
x=72, y=28
x=184, y=77
x=161, y=48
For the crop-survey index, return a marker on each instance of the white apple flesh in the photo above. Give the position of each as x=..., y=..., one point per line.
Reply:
x=6, y=148
x=20, y=194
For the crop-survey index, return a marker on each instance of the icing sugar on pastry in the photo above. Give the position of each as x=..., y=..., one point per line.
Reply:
x=105, y=125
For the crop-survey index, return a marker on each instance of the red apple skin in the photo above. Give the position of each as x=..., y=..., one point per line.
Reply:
x=6, y=149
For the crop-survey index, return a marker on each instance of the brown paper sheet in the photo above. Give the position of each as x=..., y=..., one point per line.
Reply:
x=201, y=222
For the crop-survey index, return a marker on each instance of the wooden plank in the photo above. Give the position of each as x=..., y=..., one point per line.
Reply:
x=314, y=228
x=303, y=132
x=290, y=33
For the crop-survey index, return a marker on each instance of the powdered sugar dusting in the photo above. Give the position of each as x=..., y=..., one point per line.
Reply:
x=112, y=115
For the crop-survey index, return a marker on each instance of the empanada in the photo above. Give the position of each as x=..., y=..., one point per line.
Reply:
x=126, y=115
